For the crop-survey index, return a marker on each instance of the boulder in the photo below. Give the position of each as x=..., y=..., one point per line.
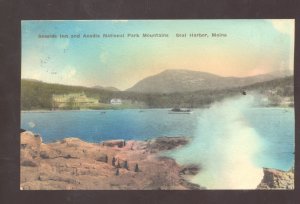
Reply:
x=44, y=155
x=58, y=178
x=28, y=139
x=22, y=130
x=191, y=186
x=30, y=143
x=72, y=142
x=102, y=158
x=277, y=179
x=29, y=163
x=166, y=143
x=189, y=170
x=114, y=143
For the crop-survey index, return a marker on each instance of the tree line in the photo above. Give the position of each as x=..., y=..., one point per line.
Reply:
x=38, y=95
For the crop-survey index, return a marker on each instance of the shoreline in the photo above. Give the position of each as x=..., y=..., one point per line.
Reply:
x=100, y=110
x=82, y=110
x=73, y=164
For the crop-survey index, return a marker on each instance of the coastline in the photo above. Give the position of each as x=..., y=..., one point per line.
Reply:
x=82, y=110
x=73, y=164
x=99, y=110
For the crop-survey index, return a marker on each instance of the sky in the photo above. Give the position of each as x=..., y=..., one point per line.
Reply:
x=251, y=47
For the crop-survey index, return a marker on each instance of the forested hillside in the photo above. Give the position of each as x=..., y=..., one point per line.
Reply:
x=38, y=95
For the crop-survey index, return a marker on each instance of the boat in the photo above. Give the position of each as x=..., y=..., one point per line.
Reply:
x=180, y=111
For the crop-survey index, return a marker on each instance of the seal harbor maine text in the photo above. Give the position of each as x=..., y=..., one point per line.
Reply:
x=200, y=35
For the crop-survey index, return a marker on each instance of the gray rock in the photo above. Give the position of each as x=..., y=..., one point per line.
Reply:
x=166, y=143
x=277, y=179
x=189, y=170
x=44, y=155
x=112, y=143
x=29, y=163
x=102, y=158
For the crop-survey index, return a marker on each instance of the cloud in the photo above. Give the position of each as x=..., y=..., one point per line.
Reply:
x=286, y=26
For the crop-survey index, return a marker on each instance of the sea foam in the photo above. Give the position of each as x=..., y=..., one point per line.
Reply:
x=224, y=146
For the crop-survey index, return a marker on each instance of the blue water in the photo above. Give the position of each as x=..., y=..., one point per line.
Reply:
x=275, y=127
x=95, y=126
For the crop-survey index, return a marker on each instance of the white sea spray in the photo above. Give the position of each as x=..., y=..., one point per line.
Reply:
x=224, y=146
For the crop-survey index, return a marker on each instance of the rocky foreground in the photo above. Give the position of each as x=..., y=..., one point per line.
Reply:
x=72, y=164
x=112, y=165
x=277, y=179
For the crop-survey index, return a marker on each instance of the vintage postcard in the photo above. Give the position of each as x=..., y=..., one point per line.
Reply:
x=157, y=104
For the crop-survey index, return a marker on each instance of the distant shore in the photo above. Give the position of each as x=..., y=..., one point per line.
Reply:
x=62, y=110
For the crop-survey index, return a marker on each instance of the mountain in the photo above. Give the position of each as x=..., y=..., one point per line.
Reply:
x=109, y=88
x=177, y=80
x=37, y=95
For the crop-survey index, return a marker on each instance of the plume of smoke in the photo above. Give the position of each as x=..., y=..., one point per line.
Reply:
x=224, y=146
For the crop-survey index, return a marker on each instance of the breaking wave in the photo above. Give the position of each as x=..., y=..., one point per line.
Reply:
x=224, y=146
